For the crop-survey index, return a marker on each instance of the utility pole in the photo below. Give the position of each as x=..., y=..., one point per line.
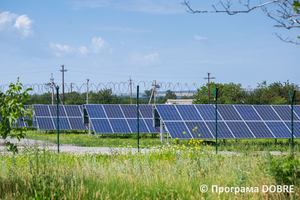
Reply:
x=130, y=90
x=87, y=91
x=63, y=70
x=52, y=85
x=71, y=91
x=208, y=86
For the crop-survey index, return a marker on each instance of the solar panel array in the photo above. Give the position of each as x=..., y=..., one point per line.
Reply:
x=22, y=123
x=234, y=121
x=112, y=118
x=70, y=117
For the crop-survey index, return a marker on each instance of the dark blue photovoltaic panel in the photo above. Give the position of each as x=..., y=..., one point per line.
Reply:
x=207, y=112
x=296, y=129
x=284, y=112
x=73, y=111
x=146, y=111
x=119, y=125
x=63, y=123
x=130, y=111
x=53, y=111
x=113, y=111
x=239, y=130
x=296, y=110
x=168, y=112
x=279, y=129
x=76, y=123
x=20, y=123
x=228, y=112
x=266, y=113
x=201, y=129
x=247, y=112
x=133, y=125
x=41, y=110
x=95, y=111
x=223, y=131
x=101, y=126
x=45, y=123
x=188, y=112
x=176, y=130
x=260, y=130
x=149, y=123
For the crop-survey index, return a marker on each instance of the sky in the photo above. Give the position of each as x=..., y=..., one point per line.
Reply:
x=111, y=40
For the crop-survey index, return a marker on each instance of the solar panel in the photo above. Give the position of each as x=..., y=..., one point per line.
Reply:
x=188, y=112
x=240, y=130
x=70, y=117
x=223, y=131
x=279, y=129
x=207, y=112
x=178, y=130
x=266, y=113
x=234, y=121
x=247, y=112
x=260, y=130
x=120, y=118
x=228, y=112
x=168, y=112
x=199, y=128
x=113, y=111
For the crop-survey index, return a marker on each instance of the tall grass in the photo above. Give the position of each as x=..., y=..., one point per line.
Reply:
x=170, y=173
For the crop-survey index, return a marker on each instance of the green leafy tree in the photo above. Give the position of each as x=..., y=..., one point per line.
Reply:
x=12, y=108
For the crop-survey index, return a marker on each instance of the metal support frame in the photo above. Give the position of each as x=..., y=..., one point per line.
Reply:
x=161, y=130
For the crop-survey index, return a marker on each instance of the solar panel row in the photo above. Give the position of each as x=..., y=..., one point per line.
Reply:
x=108, y=118
x=22, y=123
x=234, y=121
x=70, y=117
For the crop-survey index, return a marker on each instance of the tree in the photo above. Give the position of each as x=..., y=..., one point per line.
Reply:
x=286, y=15
x=12, y=108
x=170, y=95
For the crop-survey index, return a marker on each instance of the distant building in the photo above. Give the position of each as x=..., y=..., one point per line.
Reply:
x=180, y=101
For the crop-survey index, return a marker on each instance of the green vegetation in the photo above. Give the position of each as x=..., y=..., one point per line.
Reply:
x=12, y=108
x=173, y=173
x=147, y=140
x=273, y=94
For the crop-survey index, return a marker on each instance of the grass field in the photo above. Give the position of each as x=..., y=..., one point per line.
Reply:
x=175, y=172
x=146, y=141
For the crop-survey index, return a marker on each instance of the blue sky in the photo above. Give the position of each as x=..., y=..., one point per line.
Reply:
x=108, y=41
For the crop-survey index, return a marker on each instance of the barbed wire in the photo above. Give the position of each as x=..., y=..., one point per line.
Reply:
x=118, y=88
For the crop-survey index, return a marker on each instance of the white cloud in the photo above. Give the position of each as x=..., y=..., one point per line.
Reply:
x=6, y=20
x=24, y=24
x=138, y=59
x=197, y=37
x=14, y=24
x=60, y=50
x=83, y=50
x=98, y=44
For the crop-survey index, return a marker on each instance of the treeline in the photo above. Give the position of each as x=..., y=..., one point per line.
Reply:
x=273, y=94
x=101, y=97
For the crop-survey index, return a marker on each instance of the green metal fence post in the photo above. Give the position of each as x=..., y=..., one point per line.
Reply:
x=216, y=114
x=138, y=118
x=57, y=126
x=292, y=118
